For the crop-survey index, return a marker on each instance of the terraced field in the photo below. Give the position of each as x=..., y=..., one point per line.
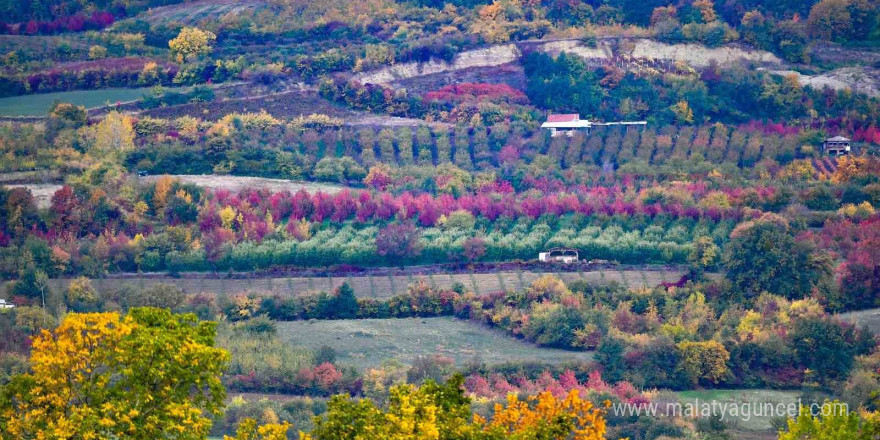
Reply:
x=365, y=343
x=380, y=286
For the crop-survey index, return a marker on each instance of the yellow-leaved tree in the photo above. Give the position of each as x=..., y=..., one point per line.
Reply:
x=147, y=375
x=434, y=412
x=114, y=136
x=248, y=430
x=191, y=43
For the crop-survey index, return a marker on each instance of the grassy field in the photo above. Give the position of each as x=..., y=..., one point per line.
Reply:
x=869, y=318
x=757, y=398
x=38, y=105
x=367, y=342
x=381, y=286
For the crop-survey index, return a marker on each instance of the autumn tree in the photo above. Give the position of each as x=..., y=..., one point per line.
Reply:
x=431, y=411
x=398, y=241
x=191, y=43
x=473, y=249
x=683, y=112
x=147, y=375
x=249, y=430
x=435, y=412
x=830, y=20
x=379, y=176
x=706, y=9
x=546, y=417
x=113, y=137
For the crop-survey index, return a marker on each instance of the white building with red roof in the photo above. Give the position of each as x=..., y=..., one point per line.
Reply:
x=569, y=123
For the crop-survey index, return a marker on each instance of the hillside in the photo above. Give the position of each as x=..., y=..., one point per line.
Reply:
x=413, y=219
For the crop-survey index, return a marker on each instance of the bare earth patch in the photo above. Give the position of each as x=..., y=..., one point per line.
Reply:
x=238, y=183
x=42, y=192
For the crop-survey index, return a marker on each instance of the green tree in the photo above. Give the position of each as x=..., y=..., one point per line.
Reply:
x=703, y=255
x=763, y=255
x=81, y=291
x=609, y=354
x=345, y=302
x=162, y=295
x=33, y=319
x=703, y=361
x=837, y=424
x=826, y=347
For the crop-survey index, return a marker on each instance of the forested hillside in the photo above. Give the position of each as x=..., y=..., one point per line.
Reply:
x=507, y=219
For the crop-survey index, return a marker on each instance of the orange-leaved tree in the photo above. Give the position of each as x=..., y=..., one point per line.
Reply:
x=546, y=417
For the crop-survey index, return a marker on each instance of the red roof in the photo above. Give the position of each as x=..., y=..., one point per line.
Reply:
x=572, y=117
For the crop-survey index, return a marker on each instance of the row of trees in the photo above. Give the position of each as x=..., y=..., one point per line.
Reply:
x=326, y=153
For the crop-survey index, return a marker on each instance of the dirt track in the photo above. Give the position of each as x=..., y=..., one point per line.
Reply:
x=381, y=286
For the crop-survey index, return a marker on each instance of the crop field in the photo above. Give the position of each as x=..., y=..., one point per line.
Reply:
x=382, y=286
x=365, y=343
x=756, y=400
x=238, y=183
x=38, y=105
x=869, y=318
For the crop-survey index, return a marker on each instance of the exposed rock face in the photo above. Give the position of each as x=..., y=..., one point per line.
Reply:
x=488, y=57
x=694, y=54
x=601, y=51
x=858, y=79
x=699, y=56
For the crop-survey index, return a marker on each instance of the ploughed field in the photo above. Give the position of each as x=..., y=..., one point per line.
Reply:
x=383, y=286
x=365, y=343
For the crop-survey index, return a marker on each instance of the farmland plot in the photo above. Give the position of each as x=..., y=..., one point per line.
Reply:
x=365, y=343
